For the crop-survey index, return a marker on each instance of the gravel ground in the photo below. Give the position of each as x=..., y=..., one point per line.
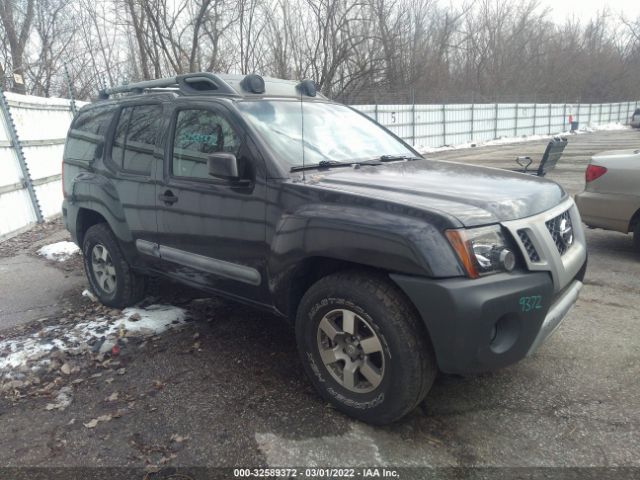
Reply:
x=226, y=387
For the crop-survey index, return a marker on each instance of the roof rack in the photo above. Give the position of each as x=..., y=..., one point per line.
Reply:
x=190, y=84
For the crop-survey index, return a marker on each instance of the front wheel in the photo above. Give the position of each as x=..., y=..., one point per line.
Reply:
x=110, y=276
x=364, y=346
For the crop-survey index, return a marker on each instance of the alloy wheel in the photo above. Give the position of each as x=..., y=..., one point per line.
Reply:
x=351, y=350
x=103, y=268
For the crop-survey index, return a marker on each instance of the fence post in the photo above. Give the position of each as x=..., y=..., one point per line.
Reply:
x=72, y=99
x=495, y=125
x=375, y=111
x=444, y=126
x=600, y=115
x=564, y=118
x=515, y=128
x=610, y=108
x=589, y=120
x=472, y=120
x=413, y=122
x=535, y=114
x=619, y=108
x=17, y=147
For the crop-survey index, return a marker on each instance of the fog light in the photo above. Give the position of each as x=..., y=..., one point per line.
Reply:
x=493, y=333
x=507, y=259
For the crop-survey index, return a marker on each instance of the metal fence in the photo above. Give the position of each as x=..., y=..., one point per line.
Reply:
x=33, y=129
x=32, y=135
x=456, y=124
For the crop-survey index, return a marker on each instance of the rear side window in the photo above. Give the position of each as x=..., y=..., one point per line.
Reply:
x=135, y=138
x=86, y=137
x=198, y=134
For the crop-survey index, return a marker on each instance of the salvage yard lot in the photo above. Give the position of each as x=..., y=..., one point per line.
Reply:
x=226, y=387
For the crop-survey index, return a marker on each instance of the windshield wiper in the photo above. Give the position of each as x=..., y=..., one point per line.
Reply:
x=321, y=164
x=393, y=158
x=335, y=163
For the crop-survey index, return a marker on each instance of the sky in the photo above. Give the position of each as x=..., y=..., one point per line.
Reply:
x=587, y=9
x=583, y=10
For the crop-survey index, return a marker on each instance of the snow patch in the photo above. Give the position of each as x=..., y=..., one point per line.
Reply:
x=31, y=353
x=60, y=251
x=89, y=294
x=153, y=320
x=355, y=448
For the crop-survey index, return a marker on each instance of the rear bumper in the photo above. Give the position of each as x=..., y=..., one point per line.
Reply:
x=604, y=210
x=488, y=323
x=70, y=217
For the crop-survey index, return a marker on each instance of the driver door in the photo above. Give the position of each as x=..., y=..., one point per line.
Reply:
x=211, y=231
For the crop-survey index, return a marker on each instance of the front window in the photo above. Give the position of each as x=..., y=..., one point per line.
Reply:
x=326, y=131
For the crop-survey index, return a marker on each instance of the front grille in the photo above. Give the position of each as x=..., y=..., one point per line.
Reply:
x=561, y=231
x=528, y=245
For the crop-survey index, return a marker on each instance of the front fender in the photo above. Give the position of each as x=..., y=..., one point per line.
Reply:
x=379, y=239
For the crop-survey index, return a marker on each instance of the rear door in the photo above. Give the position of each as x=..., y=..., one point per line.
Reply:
x=211, y=232
x=134, y=156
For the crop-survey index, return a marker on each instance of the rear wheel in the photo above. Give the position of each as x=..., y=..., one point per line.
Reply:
x=364, y=347
x=110, y=276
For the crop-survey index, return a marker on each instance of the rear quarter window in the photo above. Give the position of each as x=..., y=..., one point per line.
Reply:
x=135, y=138
x=85, y=140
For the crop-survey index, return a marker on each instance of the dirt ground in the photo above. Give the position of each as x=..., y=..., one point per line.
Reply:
x=226, y=387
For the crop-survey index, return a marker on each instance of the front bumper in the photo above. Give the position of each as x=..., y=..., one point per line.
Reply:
x=491, y=322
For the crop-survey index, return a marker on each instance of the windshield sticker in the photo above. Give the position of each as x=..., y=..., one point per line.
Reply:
x=189, y=138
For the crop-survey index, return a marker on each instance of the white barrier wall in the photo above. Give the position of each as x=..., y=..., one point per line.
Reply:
x=439, y=125
x=42, y=125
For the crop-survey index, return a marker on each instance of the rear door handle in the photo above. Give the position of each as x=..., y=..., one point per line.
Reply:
x=168, y=197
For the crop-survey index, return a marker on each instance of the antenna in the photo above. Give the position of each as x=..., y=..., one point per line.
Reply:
x=302, y=133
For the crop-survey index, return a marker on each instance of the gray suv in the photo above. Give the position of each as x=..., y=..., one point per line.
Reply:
x=392, y=267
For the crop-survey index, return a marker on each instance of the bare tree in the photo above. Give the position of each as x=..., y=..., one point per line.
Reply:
x=16, y=18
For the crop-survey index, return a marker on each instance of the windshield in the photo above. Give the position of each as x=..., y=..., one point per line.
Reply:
x=331, y=132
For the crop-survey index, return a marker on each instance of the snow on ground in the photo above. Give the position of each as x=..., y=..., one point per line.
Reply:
x=30, y=353
x=524, y=138
x=60, y=251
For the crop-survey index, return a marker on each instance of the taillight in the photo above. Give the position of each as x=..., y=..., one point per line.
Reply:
x=593, y=172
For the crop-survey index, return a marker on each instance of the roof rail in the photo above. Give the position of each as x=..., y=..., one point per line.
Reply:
x=189, y=83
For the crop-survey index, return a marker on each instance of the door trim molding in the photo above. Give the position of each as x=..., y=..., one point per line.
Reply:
x=221, y=268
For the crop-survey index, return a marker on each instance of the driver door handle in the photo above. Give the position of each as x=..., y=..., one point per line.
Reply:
x=168, y=197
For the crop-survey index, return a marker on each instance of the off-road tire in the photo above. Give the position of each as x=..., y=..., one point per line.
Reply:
x=130, y=286
x=410, y=366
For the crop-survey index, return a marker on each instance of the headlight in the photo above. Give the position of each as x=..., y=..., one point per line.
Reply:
x=482, y=250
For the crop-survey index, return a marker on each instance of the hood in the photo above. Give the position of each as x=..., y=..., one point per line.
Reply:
x=473, y=195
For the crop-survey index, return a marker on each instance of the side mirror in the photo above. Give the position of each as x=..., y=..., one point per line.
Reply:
x=223, y=165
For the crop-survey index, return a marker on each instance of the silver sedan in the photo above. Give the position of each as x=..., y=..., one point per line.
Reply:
x=611, y=198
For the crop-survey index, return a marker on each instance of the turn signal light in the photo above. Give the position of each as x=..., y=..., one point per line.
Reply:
x=593, y=172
